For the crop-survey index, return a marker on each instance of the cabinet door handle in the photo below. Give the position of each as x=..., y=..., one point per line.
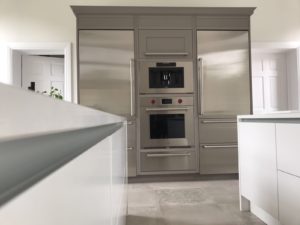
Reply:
x=130, y=148
x=132, y=87
x=219, y=146
x=166, y=53
x=167, y=109
x=200, y=85
x=218, y=121
x=168, y=155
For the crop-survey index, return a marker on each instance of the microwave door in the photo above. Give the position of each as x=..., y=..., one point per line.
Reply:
x=223, y=73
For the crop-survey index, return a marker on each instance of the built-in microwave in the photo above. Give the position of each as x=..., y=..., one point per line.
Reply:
x=166, y=77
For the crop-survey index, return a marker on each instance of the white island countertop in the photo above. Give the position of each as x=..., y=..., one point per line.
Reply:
x=292, y=114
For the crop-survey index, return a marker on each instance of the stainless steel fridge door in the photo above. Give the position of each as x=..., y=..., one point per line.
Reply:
x=223, y=73
x=106, y=70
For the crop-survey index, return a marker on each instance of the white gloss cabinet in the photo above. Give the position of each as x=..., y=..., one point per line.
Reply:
x=288, y=151
x=257, y=165
x=289, y=199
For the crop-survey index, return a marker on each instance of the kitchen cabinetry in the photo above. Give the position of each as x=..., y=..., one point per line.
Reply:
x=269, y=167
x=114, y=42
x=258, y=169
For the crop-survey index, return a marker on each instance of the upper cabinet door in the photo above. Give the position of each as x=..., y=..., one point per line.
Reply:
x=223, y=72
x=106, y=70
x=165, y=43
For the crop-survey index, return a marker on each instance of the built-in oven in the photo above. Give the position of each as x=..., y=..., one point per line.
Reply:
x=166, y=77
x=167, y=122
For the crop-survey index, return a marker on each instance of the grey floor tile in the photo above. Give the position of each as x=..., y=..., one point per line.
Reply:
x=213, y=202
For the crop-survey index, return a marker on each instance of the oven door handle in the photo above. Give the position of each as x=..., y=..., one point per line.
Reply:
x=167, y=109
x=166, y=53
x=168, y=155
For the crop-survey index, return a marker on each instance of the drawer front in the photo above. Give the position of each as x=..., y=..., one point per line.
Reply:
x=168, y=161
x=288, y=142
x=131, y=149
x=217, y=130
x=218, y=159
x=165, y=43
x=289, y=199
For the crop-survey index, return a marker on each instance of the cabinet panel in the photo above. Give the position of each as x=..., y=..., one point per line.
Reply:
x=165, y=22
x=163, y=161
x=223, y=23
x=217, y=131
x=288, y=143
x=131, y=148
x=105, y=22
x=257, y=165
x=289, y=199
x=165, y=43
x=218, y=159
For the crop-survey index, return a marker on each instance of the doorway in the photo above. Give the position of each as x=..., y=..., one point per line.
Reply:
x=40, y=66
x=275, y=77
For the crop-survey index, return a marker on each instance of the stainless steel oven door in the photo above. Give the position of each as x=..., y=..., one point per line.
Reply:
x=166, y=77
x=167, y=127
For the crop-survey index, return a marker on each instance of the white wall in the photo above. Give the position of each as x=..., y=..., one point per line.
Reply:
x=53, y=21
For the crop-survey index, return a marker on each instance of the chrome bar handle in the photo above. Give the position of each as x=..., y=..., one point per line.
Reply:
x=219, y=146
x=200, y=85
x=130, y=148
x=167, y=109
x=218, y=121
x=168, y=155
x=132, y=87
x=166, y=53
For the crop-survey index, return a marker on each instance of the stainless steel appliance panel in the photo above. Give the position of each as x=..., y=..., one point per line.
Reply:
x=223, y=73
x=167, y=122
x=106, y=75
x=146, y=67
x=168, y=161
x=131, y=149
x=218, y=158
x=214, y=130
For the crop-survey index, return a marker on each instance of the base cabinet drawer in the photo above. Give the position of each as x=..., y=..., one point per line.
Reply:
x=168, y=161
x=217, y=130
x=289, y=199
x=218, y=159
x=165, y=43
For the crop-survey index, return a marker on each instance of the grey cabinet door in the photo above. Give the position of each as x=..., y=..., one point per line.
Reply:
x=106, y=80
x=165, y=43
x=131, y=148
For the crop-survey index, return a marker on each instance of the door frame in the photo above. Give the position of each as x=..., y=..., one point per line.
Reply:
x=278, y=47
x=15, y=50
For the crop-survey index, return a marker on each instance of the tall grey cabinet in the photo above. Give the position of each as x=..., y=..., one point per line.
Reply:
x=112, y=43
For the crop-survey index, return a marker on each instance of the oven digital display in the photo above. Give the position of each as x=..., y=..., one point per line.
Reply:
x=166, y=101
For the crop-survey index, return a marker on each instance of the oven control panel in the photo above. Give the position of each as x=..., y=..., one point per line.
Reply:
x=167, y=101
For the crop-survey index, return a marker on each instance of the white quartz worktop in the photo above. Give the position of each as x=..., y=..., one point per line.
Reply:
x=27, y=113
x=274, y=115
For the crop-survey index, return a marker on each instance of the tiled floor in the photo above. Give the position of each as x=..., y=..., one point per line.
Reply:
x=213, y=202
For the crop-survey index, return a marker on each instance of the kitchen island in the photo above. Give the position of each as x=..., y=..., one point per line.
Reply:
x=269, y=168
x=60, y=163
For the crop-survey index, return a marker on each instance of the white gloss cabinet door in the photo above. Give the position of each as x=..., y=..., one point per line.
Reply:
x=257, y=165
x=288, y=142
x=289, y=199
